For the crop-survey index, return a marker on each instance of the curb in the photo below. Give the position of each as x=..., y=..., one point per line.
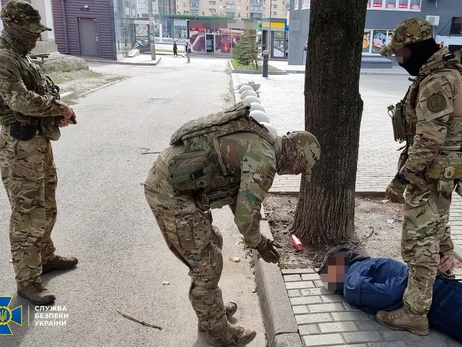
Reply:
x=250, y=72
x=278, y=316
x=381, y=73
x=98, y=88
x=123, y=62
x=69, y=96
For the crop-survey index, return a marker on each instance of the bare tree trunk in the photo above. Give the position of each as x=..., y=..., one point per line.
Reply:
x=333, y=110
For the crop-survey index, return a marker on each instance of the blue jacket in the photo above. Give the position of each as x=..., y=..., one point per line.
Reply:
x=376, y=284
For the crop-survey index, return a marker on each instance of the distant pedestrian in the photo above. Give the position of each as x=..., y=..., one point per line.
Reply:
x=187, y=50
x=175, y=49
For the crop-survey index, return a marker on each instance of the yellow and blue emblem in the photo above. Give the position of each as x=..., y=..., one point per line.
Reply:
x=8, y=315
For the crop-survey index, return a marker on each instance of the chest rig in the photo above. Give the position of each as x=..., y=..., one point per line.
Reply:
x=201, y=166
x=448, y=162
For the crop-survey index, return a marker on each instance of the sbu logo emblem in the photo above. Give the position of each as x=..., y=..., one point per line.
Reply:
x=8, y=315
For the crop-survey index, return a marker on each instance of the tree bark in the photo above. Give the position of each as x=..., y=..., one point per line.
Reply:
x=333, y=110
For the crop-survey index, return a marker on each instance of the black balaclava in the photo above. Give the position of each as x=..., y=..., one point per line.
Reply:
x=420, y=53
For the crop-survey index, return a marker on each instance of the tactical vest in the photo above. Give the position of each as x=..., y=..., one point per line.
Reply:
x=448, y=162
x=201, y=166
x=35, y=80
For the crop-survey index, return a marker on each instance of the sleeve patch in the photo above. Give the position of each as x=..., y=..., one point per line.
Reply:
x=436, y=103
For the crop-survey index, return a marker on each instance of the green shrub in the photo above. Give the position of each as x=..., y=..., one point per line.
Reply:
x=246, y=50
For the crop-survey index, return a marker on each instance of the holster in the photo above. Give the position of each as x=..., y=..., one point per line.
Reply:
x=398, y=121
x=23, y=132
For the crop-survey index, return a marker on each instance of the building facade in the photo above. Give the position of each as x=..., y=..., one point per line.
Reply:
x=382, y=16
x=255, y=9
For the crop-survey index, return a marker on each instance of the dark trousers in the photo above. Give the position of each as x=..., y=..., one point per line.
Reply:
x=446, y=310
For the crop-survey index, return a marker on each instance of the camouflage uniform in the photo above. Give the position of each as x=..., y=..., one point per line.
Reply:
x=27, y=166
x=235, y=160
x=433, y=119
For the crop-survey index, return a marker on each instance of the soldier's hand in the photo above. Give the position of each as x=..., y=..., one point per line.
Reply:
x=69, y=116
x=267, y=250
x=395, y=192
x=445, y=264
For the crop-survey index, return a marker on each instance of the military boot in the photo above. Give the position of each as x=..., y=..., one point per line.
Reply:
x=37, y=294
x=403, y=319
x=233, y=336
x=230, y=310
x=59, y=263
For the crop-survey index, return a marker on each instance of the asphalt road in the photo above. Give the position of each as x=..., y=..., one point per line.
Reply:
x=105, y=221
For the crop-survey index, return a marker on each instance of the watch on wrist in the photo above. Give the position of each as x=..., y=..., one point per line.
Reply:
x=401, y=179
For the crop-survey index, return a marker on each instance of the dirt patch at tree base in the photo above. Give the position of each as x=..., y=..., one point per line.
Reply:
x=377, y=233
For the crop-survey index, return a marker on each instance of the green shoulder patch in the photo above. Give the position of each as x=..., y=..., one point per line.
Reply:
x=436, y=103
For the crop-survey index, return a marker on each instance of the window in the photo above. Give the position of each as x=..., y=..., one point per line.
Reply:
x=212, y=2
x=306, y=4
x=396, y=5
x=274, y=6
x=415, y=5
x=275, y=13
x=296, y=4
x=456, y=26
x=390, y=4
x=374, y=40
x=212, y=10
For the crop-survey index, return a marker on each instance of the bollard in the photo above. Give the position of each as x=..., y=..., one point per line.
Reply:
x=265, y=63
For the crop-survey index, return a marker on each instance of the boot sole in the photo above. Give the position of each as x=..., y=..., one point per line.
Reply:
x=51, y=269
x=38, y=303
x=415, y=332
x=252, y=336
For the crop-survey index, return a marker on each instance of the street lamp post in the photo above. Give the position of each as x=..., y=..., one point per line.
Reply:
x=152, y=36
x=270, y=50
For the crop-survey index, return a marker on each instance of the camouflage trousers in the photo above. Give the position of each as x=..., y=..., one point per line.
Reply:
x=426, y=233
x=189, y=234
x=29, y=176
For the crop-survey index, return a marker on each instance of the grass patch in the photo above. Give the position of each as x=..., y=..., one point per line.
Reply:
x=239, y=66
x=114, y=79
x=63, y=77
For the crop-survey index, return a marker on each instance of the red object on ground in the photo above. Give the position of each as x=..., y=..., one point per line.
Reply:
x=298, y=245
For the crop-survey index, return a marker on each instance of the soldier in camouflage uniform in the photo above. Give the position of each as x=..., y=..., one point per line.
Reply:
x=222, y=159
x=30, y=114
x=429, y=119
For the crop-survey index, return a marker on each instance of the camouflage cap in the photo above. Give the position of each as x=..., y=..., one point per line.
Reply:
x=409, y=31
x=308, y=146
x=23, y=14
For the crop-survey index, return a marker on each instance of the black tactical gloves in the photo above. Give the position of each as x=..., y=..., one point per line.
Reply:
x=267, y=250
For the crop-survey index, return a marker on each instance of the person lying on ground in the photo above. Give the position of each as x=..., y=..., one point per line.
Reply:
x=378, y=284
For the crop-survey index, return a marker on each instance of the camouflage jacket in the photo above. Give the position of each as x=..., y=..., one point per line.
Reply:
x=251, y=161
x=25, y=93
x=433, y=104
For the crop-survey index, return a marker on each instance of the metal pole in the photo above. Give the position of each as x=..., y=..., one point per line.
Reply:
x=270, y=49
x=152, y=37
x=265, y=63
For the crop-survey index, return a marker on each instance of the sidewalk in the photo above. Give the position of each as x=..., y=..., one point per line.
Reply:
x=283, y=65
x=322, y=318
